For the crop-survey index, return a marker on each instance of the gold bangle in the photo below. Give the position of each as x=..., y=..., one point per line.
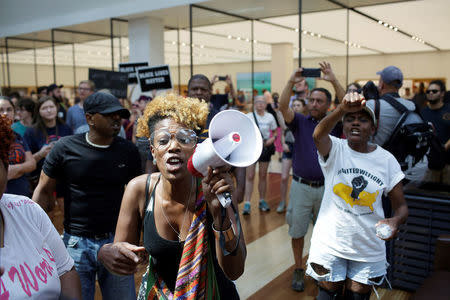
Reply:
x=228, y=233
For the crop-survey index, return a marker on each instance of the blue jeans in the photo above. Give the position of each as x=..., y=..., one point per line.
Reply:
x=84, y=252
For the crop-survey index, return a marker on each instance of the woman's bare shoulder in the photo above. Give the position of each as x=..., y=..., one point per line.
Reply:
x=138, y=184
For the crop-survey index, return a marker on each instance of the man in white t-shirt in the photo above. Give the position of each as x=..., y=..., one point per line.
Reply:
x=345, y=249
x=267, y=126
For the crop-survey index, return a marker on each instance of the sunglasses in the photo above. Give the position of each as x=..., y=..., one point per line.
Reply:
x=433, y=91
x=161, y=138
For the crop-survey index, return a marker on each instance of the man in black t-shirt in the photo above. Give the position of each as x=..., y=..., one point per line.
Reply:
x=438, y=113
x=95, y=167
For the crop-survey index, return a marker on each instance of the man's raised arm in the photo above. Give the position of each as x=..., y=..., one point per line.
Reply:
x=328, y=75
x=288, y=113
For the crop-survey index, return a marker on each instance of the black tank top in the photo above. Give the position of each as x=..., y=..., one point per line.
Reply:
x=166, y=254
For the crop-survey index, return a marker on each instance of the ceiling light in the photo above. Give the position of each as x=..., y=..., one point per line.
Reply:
x=395, y=29
x=391, y=27
x=173, y=43
x=303, y=50
x=296, y=29
x=202, y=46
x=247, y=40
x=386, y=24
x=345, y=42
x=312, y=33
x=305, y=32
x=238, y=38
x=229, y=37
x=183, y=44
x=319, y=36
x=380, y=22
x=255, y=41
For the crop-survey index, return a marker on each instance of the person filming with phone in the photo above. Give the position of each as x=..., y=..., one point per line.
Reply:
x=227, y=99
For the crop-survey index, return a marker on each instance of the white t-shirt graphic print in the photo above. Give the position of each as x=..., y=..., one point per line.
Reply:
x=34, y=256
x=352, y=205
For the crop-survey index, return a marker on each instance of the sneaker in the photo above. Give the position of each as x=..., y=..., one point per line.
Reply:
x=263, y=206
x=281, y=207
x=247, y=208
x=298, y=283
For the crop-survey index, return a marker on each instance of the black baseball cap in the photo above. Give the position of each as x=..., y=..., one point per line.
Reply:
x=104, y=103
x=53, y=86
x=41, y=88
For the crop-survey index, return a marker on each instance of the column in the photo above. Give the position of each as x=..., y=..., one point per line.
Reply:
x=282, y=65
x=146, y=42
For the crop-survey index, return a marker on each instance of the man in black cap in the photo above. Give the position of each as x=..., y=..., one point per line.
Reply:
x=95, y=166
x=42, y=91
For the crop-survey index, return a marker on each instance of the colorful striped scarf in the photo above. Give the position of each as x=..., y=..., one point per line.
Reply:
x=196, y=278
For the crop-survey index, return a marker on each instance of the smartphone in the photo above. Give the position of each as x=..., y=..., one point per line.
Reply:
x=222, y=78
x=311, y=72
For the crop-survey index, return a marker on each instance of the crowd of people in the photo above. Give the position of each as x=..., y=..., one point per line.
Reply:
x=119, y=175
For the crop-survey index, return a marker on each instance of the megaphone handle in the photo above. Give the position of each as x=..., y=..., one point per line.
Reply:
x=239, y=229
x=225, y=199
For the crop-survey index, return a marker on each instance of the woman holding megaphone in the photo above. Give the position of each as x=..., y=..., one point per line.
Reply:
x=181, y=217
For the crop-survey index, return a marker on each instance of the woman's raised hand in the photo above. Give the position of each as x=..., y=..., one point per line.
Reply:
x=353, y=102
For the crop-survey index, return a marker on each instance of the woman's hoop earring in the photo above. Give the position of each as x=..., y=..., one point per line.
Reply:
x=154, y=161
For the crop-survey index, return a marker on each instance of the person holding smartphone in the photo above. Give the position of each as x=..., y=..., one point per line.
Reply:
x=227, y=99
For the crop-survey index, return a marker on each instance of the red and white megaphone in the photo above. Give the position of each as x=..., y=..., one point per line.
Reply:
x=234, y=139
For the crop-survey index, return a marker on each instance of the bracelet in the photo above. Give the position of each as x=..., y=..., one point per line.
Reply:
x=228, y=233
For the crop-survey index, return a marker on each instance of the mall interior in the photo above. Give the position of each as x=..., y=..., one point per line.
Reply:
x=46, y=41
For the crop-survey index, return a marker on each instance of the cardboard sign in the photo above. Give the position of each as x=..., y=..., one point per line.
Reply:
x=116, y=82
x=131, y=68
x=154, y=78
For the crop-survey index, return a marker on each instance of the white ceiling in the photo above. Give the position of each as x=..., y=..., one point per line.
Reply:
x=325, y=33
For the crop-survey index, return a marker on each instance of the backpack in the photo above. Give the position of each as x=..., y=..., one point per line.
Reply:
x=411, y=138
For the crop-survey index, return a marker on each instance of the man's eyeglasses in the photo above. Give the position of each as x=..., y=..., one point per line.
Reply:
x=185, y=137
x=84, y=89
x=433, y=91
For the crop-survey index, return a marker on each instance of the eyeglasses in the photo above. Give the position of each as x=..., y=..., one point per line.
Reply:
x=84, y=89
x=185, y=137
x=359, y=91
x=433, y=91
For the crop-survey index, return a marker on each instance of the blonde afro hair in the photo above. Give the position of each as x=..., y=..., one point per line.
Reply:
x=189, y=112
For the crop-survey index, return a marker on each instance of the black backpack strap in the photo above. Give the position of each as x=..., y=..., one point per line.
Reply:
x=395, y=104
x=377, y=114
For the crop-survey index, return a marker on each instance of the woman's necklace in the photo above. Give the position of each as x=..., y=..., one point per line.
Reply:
x=178, y=233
